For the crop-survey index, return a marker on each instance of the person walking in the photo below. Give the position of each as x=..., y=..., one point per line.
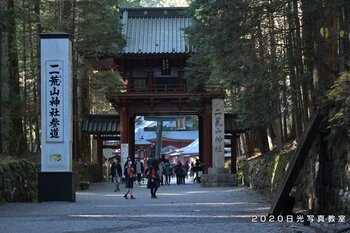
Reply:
x=153, y=182
x=139, y=170
x=198, y=170
x=168, y=172
x=192, y=171
x=129, y=173
x=161, y=171
x=179, y=172
x=116, y=172
x=186, y=168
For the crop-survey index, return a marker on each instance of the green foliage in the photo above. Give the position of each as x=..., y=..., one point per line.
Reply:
x=339, y=102
x=241, y=163
x=18, y=181
x=195, y=121
x=99, y=29
x=129, y=3
x=104, y=84
x=94, y=25
x=5, y=160
x=231, y=55
x=257, y=100
x=107, y=82
x=86, y=172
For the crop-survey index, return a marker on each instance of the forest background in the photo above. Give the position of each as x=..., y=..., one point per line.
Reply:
x=279, y=63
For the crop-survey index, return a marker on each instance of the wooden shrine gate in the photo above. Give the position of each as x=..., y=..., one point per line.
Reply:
x=152, y=65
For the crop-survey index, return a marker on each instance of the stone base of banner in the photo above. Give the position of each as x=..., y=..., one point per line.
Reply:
x=219, y=177
x=56, y=186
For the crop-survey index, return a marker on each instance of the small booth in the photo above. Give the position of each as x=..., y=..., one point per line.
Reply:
x=104, y=128
x=142, y=149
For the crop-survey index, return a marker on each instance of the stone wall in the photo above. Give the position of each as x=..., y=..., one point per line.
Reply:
x=264, y=173
x=337, y=173
x=329, y=194
x=18, y=181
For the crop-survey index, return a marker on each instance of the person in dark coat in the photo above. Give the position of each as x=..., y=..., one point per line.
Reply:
x=179, y=171
x=116, y=172
x=153, y=180
x=198, y=170
x=168, y=172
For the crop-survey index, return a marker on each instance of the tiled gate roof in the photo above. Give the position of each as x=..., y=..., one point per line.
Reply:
x=109, y=124
x=101, y=124
x=155, y=30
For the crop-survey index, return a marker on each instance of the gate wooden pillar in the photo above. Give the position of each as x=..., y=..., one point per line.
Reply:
x=206, y=143
x=100, y=158
x=124, y=125
x=127, y=130
x=234, y=153
x=131, y=128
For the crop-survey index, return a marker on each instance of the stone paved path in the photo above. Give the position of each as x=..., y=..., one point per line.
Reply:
x=178, y=209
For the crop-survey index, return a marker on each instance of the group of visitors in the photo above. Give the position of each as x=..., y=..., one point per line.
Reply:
x=164, y=170
x=131, y=172
x=181, y=171
x=157, y=173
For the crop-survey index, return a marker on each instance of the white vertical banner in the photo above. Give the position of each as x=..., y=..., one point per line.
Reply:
x=218, y=133
x=54, y=95
x=124, y=153
x=56, y=102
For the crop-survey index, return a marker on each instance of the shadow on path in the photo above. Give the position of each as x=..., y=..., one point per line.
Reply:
x=178, y=208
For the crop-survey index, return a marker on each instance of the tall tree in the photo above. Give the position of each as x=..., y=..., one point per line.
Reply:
x=4, y=72
x=293, y=75
x=233, y=31
x=13, y=138
x=98, y=36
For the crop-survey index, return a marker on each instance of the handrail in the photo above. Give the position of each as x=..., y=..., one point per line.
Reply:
x=166, y=88
x=157, y=88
